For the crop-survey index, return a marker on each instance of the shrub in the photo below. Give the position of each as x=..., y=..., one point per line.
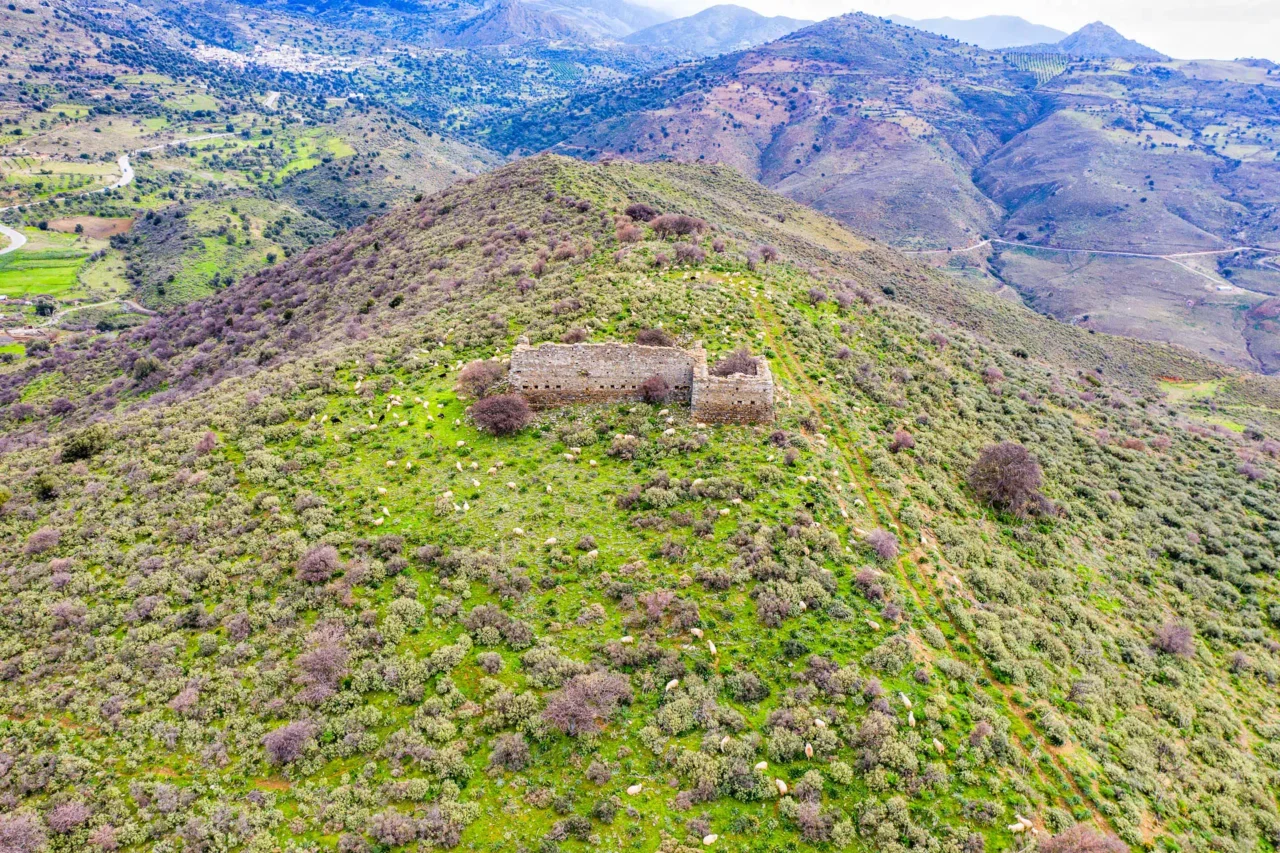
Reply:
x=1082, y=838
x=574, y=336
x=84, y=444
x=738, y=361
x=629, y=234
x=318, y=564
x=1174, y=638
x=1006, y=475
x=655, y=390
x=510, y=752
x=287, y=743
x=206, y=444
x=21, y=832
x=478, y=378
x=585, y=699
x=655, y=338
x=688, y=253
x=883, y=543
x=902, y=440
x=505, y=414
x=640, y=212
x=677, y=225
x=68, y=816
x=44, y=539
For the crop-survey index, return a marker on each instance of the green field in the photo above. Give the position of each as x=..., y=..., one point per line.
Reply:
x=43, y=273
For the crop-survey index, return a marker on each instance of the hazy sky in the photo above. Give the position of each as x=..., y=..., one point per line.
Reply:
x=1188, y=29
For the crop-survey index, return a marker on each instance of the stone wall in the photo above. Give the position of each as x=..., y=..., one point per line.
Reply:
x=562, y=374
x=734, y=399
x=552, y=375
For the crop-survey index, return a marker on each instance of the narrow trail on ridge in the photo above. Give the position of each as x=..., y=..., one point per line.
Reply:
x=928, y=600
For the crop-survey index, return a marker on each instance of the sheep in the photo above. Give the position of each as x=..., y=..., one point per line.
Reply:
x=672, y=685
x=808, y=750
x=709, y=839
x=782, y=787
x=637, y=788
x=762, y=766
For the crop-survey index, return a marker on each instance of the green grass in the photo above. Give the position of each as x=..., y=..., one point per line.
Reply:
x=43, y=273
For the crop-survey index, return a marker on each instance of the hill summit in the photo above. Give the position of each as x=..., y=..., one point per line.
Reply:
x=295, y=567
x=1099, y=41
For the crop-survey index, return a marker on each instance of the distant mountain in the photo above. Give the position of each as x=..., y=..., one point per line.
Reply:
x=605, y=19
x=510, y=22
x=1099, y=41
x=990, y=31
x=719, y=29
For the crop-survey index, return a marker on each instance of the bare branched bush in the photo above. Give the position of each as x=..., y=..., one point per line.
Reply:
x=884, y=544
x=318, y=564
x=1007, y=476
x=655, y=390
x=1174, y=638
x=738, y=361
x=1082, y=838
x=505, y=414
x=480, y=377
x=655, y=338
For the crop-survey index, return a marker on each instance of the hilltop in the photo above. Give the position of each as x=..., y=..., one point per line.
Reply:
x=268, y=585
x=716, y=29
x=989, y=31
x=1099, y=41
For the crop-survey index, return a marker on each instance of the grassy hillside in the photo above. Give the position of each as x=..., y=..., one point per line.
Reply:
x=269, y=587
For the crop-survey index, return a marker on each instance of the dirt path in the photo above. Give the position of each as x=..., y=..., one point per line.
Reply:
x=926, y=595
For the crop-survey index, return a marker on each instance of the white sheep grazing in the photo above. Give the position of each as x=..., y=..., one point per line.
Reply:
x=635, y=789
x=938, y=746
x=377, y=521
x=491, y=471
x=905, y=701
x=697, y=632
x=725, y=741
x=709, y=839
x=475, y=466
x=386, y=512
x=1016, y=828
x=711, y=647
x=763, y=765
x=672, y=684
x=519, y=531
x=511, y=485
x=458, y=465
x=408, y=466
x=911, y=719
x=382, y=490
x=808, y=750
x=782, y=786
x=391, y=463
x=669, y=431
x=461, y=443
x=551, y=540
x=475, y=482
x=627, y=639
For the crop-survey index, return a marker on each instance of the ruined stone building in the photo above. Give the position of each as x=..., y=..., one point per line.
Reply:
x=552, y=375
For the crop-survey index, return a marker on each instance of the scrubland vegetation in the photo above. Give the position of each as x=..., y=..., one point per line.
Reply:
x=269, y=585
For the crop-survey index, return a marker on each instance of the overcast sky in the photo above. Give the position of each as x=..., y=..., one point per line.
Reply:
x=1187, y=29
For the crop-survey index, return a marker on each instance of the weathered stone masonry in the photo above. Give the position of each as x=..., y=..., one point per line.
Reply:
x=552, y=375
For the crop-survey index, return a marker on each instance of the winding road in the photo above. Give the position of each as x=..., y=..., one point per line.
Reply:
x=17, y=239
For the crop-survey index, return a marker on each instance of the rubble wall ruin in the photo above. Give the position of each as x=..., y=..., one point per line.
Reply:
x=553, y=375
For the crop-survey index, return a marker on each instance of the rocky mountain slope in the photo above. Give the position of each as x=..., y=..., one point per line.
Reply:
x=269, y=586
x=989, y=31
x=1099, y=41
x=1139, y=199
x=716, y=30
